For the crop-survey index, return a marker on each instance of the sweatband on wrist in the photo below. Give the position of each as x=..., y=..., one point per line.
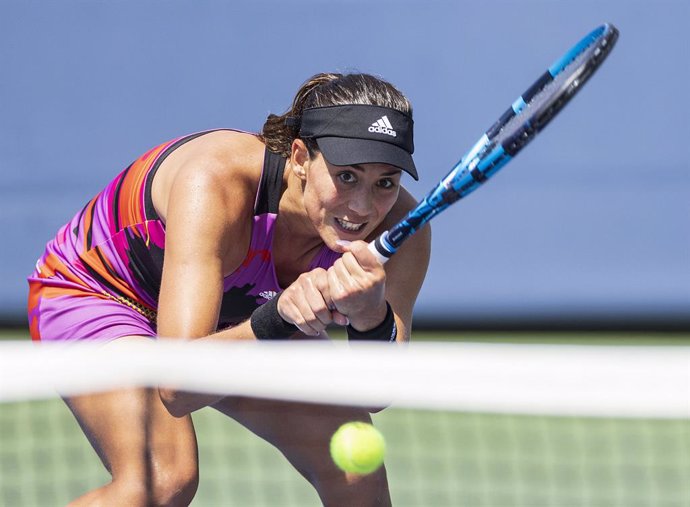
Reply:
x=267, y=324
x=384, y=332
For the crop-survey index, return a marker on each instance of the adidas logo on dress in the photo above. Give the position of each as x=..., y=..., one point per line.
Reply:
x=383, y=126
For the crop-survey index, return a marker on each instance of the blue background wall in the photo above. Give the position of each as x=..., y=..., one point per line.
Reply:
x=590, y=224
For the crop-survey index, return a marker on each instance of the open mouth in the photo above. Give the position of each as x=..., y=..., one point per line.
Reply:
x=349, y=226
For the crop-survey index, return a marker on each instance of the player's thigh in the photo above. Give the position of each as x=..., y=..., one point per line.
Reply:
x=301, y=431
x=125, y=426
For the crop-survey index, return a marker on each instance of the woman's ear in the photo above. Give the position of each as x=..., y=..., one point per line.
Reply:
x=299, y=158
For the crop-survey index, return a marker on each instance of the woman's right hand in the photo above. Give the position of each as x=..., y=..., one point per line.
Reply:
x=307, y=303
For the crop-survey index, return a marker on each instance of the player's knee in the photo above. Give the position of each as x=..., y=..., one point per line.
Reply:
x=350, y=489
x=175, y=485
x=130, y=491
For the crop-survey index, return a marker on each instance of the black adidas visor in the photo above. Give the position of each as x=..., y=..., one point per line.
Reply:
x=361, y=134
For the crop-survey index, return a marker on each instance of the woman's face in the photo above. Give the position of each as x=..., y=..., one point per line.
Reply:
x=348, y=202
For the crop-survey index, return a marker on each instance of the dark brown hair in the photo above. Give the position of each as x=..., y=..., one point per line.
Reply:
x=329, y=89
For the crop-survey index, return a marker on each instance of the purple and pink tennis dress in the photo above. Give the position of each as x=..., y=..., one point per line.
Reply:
x=100, y=276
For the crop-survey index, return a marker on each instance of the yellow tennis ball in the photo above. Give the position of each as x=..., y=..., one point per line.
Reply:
x=358, y=447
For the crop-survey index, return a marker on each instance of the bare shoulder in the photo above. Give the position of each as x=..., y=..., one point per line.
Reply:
x=205, y=196
x=228, y=152
x=223, y=165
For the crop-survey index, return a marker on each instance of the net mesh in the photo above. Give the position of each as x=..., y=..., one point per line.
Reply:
x=567, y=426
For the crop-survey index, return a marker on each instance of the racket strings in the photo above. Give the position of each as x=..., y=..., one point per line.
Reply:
x=528, y=119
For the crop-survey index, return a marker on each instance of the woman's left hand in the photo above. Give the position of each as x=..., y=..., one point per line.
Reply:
x=357, y=286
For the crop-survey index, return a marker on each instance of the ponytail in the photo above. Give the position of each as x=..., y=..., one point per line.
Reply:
x=279, y=131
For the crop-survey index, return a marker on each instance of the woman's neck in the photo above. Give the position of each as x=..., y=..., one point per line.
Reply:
x=295, y=239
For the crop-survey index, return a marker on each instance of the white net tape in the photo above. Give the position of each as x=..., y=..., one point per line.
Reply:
x=570, y=380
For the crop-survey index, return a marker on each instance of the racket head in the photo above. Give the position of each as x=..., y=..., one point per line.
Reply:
x=515, y=128
x=528, y=115
x=542, y=101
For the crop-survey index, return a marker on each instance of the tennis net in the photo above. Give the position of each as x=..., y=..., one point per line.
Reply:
x=467, y=424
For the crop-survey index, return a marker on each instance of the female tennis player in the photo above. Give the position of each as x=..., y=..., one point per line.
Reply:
x=227, y=235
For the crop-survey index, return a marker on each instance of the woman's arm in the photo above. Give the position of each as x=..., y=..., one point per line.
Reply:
x=360, y=286
x=208, y=228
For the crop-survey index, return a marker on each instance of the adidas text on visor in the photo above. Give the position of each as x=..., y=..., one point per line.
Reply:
x=361, y=134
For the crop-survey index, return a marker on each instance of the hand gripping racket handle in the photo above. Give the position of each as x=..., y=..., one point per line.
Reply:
x=377, y=250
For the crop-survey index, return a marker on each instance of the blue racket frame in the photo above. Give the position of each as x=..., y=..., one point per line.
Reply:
x=487, y=156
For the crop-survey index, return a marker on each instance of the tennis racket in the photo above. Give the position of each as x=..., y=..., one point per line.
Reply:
x=526, y=117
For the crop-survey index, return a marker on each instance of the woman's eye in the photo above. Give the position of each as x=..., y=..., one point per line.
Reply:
x=386, y=183
x=347, y=177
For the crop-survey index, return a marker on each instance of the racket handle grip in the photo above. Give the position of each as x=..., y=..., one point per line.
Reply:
x=379, y=248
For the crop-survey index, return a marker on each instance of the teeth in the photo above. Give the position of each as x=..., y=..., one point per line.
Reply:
x=349, y=225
